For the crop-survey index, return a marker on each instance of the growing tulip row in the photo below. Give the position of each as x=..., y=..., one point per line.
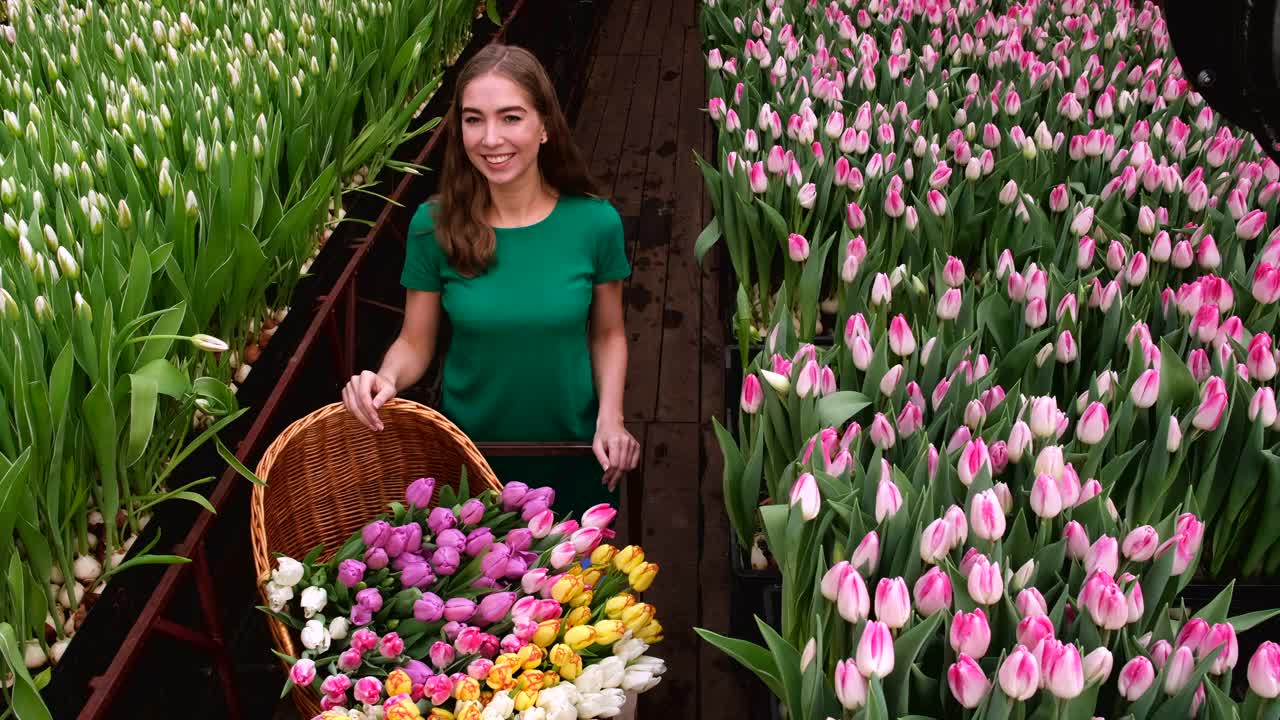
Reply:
x=1006, y=312
x=1094, y=237
x=165, y=168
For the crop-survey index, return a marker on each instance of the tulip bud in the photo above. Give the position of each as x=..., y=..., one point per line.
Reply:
x=1135, y=678
x=893, y=602
x=850, y=685
x=970, y=633
x=933, y=592
x=1264, y=671
x=1020, y=674
x=875, y=650
x=1178, y=670
x=969, y=685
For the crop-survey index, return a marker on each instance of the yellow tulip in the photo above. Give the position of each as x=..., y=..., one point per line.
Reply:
x=591, y=578
x=536, y=656
x=398, y=683
x=575, y=569
x=603, y=554
x=523, y=655
x=578, y=616
x=628, y=557
x=532, y=679
x=641, y=576
x=580, y=637
x=570, y=671
x=468, y=711
x=548, y=631
x=561, y=654
x=566, y=588
x=637, y=616
x=609, y=632
x=551, y=678
x=651, y=633
x=405, y=709
x=511, y=661
x=440, y=714
x=500, y=678
x=525, y=699
x=582, y=599
x=614, y=606
x=467, y=689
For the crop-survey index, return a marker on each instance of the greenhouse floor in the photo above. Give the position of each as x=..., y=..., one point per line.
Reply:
x=640, y=123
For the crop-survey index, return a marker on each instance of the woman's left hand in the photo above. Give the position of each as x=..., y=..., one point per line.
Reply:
x=617, y=452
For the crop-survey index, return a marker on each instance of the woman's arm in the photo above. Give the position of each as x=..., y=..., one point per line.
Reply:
x=614, y=447
x=405, y=362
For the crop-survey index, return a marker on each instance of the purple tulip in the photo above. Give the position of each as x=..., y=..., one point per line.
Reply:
x=546, y=494
x=397, y=543
x=459, y=609
x=350, y=572
x=419, y=492
x=517, y=566
x=494, y=563
x=513, y=495
x=428, y=608
x=472, y=511
x=361, y=615
x=489, y=646
x=445, y=560
x=376, y=533
x=413, y=537
x=441, y=655
x=451, y=629
x=441, y=519
x=375, y=558
x=370, y=598
x=451, y=538
x=417, y=575
x=486, y=583
x=404, y=560
x=494, y=607
x=417, y=671
x=511, y=644
x=519, y=539
x=532, y=509
x=478, y=541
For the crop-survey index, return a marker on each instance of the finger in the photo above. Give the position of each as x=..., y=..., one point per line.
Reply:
x=353, y=404
x=597, y=447
x=617, y=480
x=635, y=456
x=366, y=397
x=611, y=479
x=387, y=392
x=617, y=458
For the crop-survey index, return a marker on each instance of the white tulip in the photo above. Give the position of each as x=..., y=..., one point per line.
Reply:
x=288, y=572
x=338, y=628
x=278, y=595
x=315, y=636
x=313, y=600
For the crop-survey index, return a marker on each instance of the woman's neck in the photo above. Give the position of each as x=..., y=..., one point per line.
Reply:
x=519, y=203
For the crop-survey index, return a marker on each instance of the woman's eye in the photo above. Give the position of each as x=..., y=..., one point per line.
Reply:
x=471, y=120
x=513, y=118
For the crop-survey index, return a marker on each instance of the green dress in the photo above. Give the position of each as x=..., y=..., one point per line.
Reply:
x=518, y=367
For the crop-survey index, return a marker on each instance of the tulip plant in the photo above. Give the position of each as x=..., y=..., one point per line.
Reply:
x=165, y=169
x=478, y=608
x=1086, y=230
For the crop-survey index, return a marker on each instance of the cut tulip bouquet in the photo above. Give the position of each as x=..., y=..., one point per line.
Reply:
x=1087, y=230
x=480, y=608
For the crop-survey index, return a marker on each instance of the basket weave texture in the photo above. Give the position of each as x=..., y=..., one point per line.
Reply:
x=327, y=475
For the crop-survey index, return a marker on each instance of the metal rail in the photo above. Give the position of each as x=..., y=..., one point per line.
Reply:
x=340, y=300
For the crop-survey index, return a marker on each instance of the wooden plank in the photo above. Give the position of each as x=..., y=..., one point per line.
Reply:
x=632, y=163
x=595, y=104
x=614, y=28
x=643, y=298
x=613, y=125
x=657, y=33
x=685, y=14
x=632, y=43
x=660, y=171
x=631, y=496
x=679, y=367
x=671, y=539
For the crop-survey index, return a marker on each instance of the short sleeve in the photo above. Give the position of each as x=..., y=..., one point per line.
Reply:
x=611, y=249
x=422, y=254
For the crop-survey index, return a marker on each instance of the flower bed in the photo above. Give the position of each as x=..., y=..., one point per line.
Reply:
x=195, y=182
x=1048, y=397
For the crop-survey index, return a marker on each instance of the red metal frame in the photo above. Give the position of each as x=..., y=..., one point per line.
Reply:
x=342, y=300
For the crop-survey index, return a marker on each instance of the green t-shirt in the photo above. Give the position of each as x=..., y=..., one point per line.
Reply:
x=519, y=362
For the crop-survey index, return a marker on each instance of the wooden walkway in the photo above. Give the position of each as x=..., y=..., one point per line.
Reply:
x=641, y=120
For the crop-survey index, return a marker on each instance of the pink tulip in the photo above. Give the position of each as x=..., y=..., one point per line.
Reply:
x=1082, y=223
x=866, y=557
x=1266, y=284
x=1109, y=608
x=1034, y=628
x=1115, y=256
x=1264, y=671
x=752, y=395
x=1221, y=635
x=933, y=592
x=1093, y=424
x=1064, y=672
x=882, y=435
x=809, y=381
x=805, y=494
x=971, y=633
x=757, y=178
x=852, y=601
x=969, y=685
x=935, y=541
x=973, y=459
x=1207, y=255
x=1077, y=540
x=1097, y=666
x=833, y=579
x=1135, y=678
x=875, y=650
x=1036, y=313
x=1251, y=225
x=893, y=602
x=1068, y=483
x=949, y=304
x=881, y=290
x=987, y=516
x=1031, y=603
x=1146, y=389
x=888, y=500
x=797, y=247
x=1161, y=247
x=1212, y=405
x=1046, y=502
x=1177, y=673
x=1140, y=544
x=1102, y=555
x=901, y=341
x=986, y=584
x=1020, y=674
x=851, y=687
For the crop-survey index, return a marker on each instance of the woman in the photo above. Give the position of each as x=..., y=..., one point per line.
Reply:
x=528, y=261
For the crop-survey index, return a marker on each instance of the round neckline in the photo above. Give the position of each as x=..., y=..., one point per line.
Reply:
x=554, y=209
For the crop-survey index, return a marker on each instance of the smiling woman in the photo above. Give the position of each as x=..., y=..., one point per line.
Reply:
x=527, y=260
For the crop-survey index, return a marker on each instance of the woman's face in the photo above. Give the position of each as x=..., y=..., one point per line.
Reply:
x=501, y=131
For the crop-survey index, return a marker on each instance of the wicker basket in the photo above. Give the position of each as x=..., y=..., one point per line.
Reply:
x=327, y=475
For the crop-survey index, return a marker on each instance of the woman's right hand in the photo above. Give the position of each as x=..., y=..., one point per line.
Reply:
x=365, y=394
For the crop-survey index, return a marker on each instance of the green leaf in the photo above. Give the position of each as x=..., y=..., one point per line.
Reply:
x=243, y=470
x=905, y=649
x=788, y=662
x=707, y=239
x=169, y=380
x=1249, y=621
x=751, y=656
x=838, y=407
x=142, y=415
x=27, y=704
x=1216, y=611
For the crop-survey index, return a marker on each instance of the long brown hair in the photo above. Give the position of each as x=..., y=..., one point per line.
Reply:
x=461, y=229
